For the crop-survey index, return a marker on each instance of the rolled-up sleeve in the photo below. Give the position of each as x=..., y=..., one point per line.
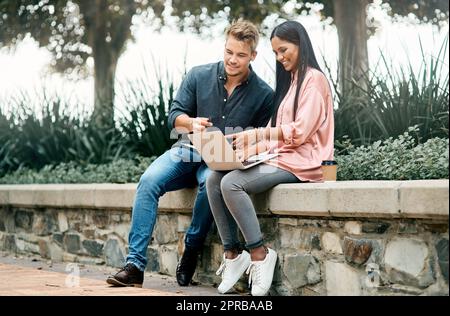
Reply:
x=185, y=100
x=309, y=117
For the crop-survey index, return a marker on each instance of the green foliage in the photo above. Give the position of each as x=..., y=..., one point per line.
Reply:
x=145, y=120
x=54, y=135
x=395, y=159
x=392, y=159
x=57, y=134
x=385, y=105
x=118, y=171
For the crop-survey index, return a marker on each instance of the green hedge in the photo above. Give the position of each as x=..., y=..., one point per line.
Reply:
x=396, y=159
x=119, y=171
x=392, y=159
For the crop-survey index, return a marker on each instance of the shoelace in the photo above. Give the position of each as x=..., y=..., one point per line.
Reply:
x=254, y=273
x=221, y=270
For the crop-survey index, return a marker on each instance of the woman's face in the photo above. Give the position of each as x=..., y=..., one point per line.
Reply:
x=286, y=53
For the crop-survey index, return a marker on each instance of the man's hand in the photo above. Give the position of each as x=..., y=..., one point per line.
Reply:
x=198, y=124
x=186, y=124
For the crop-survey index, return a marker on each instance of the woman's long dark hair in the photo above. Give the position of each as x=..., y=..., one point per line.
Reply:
x=292, y=32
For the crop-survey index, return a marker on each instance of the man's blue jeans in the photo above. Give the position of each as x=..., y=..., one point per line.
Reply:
x=177, y=168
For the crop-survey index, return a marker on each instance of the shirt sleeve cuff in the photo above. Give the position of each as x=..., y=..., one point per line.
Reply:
x=288, y=131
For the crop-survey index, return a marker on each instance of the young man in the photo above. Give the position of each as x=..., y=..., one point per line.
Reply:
x=224, y=94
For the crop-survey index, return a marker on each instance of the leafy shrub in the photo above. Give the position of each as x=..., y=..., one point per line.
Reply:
x=119, y=171
x=392, y=159
x=395, y=159
x=386, y=101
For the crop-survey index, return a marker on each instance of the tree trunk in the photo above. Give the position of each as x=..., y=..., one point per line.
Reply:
x=107, y=33
x=105, y=63
x=350, y=19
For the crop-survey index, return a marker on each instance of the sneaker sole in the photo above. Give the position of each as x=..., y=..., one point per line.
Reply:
x=115, y=282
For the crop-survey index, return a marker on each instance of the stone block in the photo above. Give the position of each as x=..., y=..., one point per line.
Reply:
x=63, y=224
x=103, y=234
x=168, y=260
x=21, y=195
x=9, y=243
x=153, y=259
x=353, y=228
x=44, y=249
x=297, y=238
x=178, y=201
x=114, y=256
x=425, y=198
x=93, y=247
x=114, y=195
x=24, y=220
x=44, y=224
x=58, y=238
x=184, y=221
x=288, y=221
x=342, y=280
x=101, y=220
x=407, y=262
x=89, y=233
x=72, y=243
x=166, y=229
x=56, y=252
x=364, y=198
x=79, y=195
x=301, y=270
x=311, y=199
x=357, y=251
x=48, y=195
x=115, y=218
x=375, y=227
x=122, y=231
x=68, y=257
x=442, y=253
x=331, y=243
x=4, y=195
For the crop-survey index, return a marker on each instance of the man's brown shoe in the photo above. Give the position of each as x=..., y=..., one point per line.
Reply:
x=129, y=275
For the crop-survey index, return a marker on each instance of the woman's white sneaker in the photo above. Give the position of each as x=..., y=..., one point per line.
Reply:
x=261, y=273
x=232, y=270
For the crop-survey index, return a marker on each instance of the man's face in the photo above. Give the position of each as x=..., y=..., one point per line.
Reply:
x=237, y=57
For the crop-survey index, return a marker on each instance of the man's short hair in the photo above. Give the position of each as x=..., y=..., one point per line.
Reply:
x=243, y=30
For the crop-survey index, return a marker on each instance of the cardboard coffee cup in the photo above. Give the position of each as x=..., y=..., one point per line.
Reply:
x=329, y=170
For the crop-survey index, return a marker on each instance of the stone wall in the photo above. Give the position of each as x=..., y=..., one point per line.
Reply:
x=316, y=255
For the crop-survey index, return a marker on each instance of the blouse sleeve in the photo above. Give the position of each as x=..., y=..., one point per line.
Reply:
x=309, y=117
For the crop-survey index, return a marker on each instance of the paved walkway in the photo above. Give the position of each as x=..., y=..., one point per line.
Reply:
x=32, y=276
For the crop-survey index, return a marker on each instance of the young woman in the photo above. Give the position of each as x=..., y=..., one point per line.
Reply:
x=301, y=131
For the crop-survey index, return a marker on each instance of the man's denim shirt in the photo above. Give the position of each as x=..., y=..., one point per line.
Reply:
x=202, y=94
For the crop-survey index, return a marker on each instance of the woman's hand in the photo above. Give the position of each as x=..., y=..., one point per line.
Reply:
x=241, y=141
x=250, y=150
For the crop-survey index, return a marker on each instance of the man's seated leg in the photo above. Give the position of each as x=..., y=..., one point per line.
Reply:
x=171, y=171
x=195, y=236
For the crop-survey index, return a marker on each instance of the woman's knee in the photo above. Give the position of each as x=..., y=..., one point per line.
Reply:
x=213, y=180
x=231, y=183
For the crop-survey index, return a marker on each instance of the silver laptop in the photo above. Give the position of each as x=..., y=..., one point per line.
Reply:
x=218, y=154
